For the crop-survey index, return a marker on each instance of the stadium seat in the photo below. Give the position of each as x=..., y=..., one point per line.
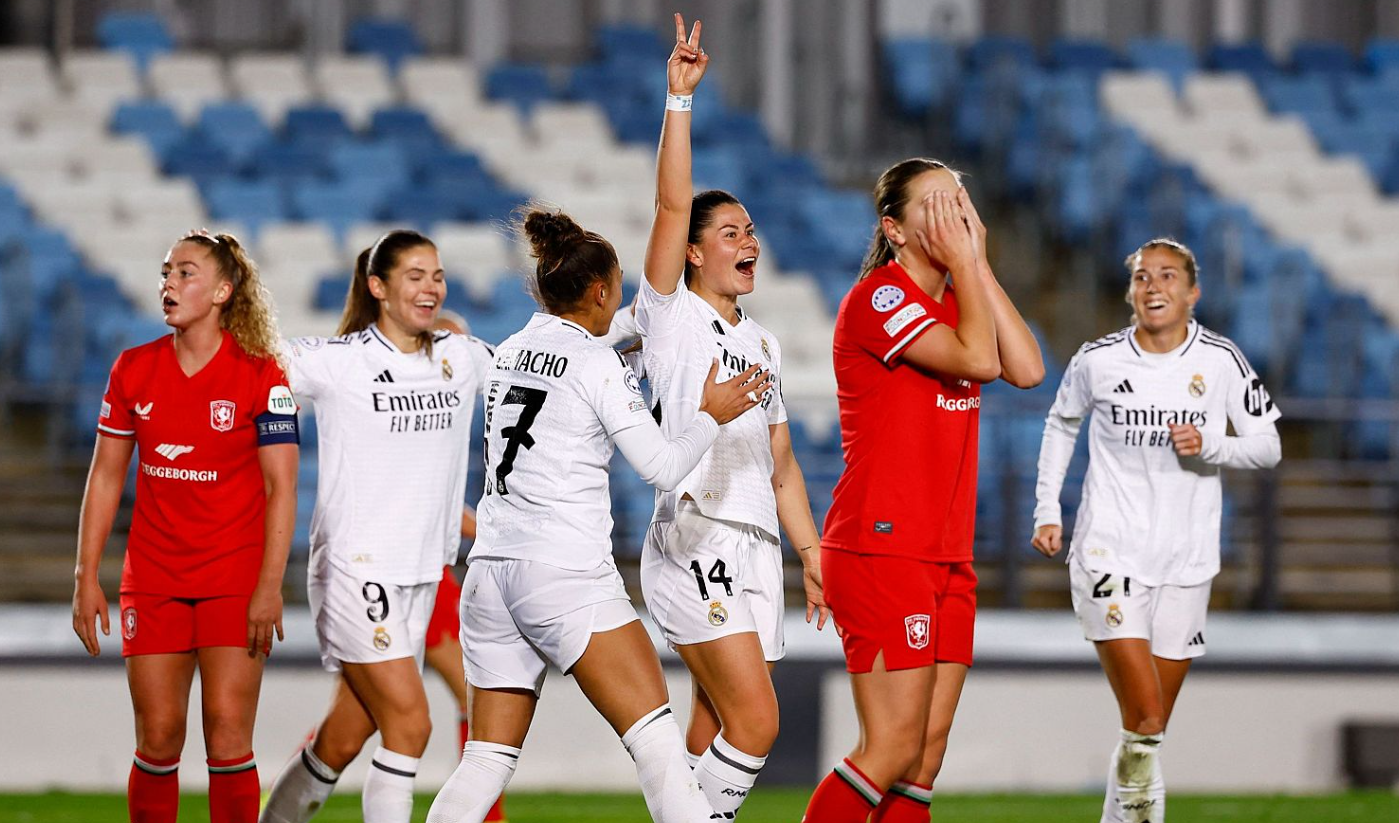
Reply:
x=993, y=51
x=100, y=79
x=358, y=86
x=392, y=41
x=1092, y=57
x=1172, y=58
x=1252, y=58
x=314, y=125
x=250, y=202
x=188, y=81
x=1322, y=58
x=921, y=73
x=235, y=127
x=141, y=35
x=152, y=120
x=524, y=85
x=272, y=82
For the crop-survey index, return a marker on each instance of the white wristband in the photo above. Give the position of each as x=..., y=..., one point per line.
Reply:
x=679, y=102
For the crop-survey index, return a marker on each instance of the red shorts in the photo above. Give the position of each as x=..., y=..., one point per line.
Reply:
x=160, y=624
x=917, y=613
x=446, y=615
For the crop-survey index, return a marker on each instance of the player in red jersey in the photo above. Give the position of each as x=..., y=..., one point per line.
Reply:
x=910, y=353
x=201, y=585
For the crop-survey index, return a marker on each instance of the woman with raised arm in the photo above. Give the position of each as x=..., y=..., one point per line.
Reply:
x=1146, y=542
x=712, y=560
x=925, y=324
x=393, y=400
x=201, y=585
x=541, y=587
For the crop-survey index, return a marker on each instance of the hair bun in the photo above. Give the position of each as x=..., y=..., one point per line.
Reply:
x=551, y=234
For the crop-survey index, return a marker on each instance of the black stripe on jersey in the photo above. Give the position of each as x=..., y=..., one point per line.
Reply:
x=1133, y=343
x=620, y=358
x=738, y=310
x=572, y=325
x=438, y=337
x=718, y=327
x=655, y=412
x=483, y=344
x=380, y=338
x=1106, y=340
x=1193, y=338
x=1221, y=342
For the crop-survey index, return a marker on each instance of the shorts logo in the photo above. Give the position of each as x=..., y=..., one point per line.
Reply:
x=718, y=615
x=382, y=641
x=1197, y=386
x=221, y=414
x=1114, y=616
x=128, y=623
x=886, y=298
x=712, y=494
x=916, y=625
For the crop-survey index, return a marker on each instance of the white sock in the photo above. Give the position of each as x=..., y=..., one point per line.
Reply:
x=726, y=774
x=667, y=782
x=692, y=759
x=301, y=789
x=1136, y=791
x=480, y=777
x=388, y=787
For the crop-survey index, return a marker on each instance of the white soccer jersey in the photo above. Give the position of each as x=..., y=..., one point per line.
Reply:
x=394, y=432
x=555, y=398
x=1147, y=513
x=682, y=335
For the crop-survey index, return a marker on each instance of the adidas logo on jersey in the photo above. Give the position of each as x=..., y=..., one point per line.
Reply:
x=384, y=377
x=1197, y=640
x=1125, y=387
x=170, y=452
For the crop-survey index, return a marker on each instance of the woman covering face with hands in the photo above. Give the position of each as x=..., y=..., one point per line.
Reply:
x=1160, y=394
x=925, y=324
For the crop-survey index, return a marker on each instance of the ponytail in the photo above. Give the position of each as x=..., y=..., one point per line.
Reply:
x=248, y=314
x=361, y=306
x=568, y=258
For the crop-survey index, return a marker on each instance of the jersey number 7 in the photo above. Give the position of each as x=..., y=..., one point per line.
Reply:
x=515, y=436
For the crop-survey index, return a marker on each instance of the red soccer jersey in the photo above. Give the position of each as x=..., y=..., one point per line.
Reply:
x=909, y=437
x=198, y=526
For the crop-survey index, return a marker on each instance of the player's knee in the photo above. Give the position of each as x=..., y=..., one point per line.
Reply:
x=408, y=735
x=752, y=731
x=933, y=753
x=337, y=750
x=162, y=738
x=1149, y=723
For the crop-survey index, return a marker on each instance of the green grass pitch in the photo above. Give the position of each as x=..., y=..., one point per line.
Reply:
x=773, y=806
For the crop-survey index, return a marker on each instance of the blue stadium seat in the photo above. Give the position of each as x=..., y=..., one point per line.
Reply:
x=289, y=161
x=151, y=119
x=1091, y=56
x=1363, y=94
x=1310, y=92
x=340, y=204
x=523, y=84
x=235, y=127
x=250, y=202
x=383, y=164
x=197, y=158
x=450, y=167
x=1251, y=58
x=1173, y=58
x=1382, y=55
x=921, y=73
x=391, y=40
x=316, y=124
x=406, y=126
x=142, y=35
x=330, y=292
x=990, y=52
x=1322, y=58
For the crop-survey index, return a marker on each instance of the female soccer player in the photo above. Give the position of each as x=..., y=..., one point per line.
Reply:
x=393, y=404
x=201, y=585
x=925, y=324
x=712, y=561
x=541, y=587
x=1146, y=542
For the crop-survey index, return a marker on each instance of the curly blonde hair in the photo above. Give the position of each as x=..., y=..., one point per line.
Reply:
x=249, y=314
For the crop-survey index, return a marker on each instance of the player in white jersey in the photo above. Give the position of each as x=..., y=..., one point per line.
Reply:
x=1146, y=542
x=393, y=402
x=712, y=562
x=541, y=588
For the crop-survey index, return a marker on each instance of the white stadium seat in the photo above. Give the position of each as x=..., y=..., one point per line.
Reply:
x=357, y=85
x=271, y=82
x=188, y=81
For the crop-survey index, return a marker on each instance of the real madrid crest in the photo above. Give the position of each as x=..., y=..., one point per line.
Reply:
x=382, y=641
x=766, y=352
x=1114, y=616
x=446, y=369
x=1197, y=386
x=718, y=615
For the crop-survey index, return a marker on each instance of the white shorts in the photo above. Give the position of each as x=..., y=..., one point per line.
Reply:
x=704, y=579
x=1112, y=607
x=360, y=621
x=520, y=616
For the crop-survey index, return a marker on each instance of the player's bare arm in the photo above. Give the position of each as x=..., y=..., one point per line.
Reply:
x=101, y=498
x=1022, y=363
x=794, y=513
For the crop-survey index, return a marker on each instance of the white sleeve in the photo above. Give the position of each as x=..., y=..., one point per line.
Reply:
x=664, y=463
x=777, y=409
x=308, y=365
x=658, y=315
x=1061, y=427
x=482, y=354
x=614, y=392
x=623, y=328
x=1261, y=450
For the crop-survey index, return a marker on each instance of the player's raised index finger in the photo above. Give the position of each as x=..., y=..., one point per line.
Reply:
x=695, y=35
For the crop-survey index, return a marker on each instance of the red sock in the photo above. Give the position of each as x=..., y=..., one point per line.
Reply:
x=845, y=796
x=153, y=790
x=234, y=790
x=497, y=812
x=904, y=803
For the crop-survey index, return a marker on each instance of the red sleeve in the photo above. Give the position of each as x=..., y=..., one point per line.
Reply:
x=885, y=319
x=275, y=408
x=115, y=420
